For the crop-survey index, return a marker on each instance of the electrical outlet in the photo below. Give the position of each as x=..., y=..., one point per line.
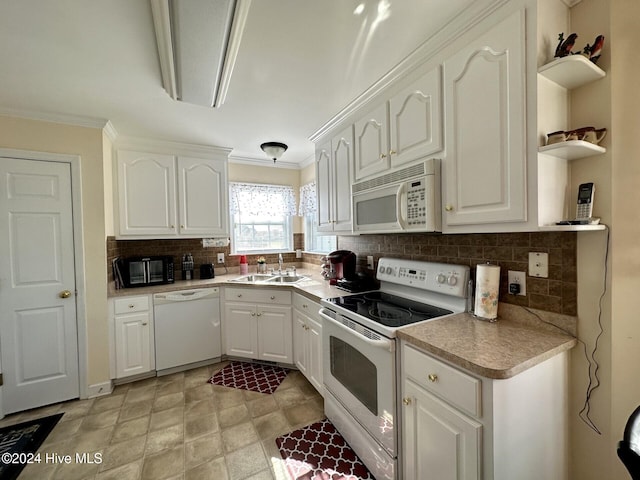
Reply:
x=370, y=262
x=538, y=264
x=221, y=258
x=520, y=279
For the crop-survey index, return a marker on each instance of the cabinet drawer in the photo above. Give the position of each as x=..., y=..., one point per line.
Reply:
x=306, y=306
x=256, y=295
x=452, y=385
x=131, y=304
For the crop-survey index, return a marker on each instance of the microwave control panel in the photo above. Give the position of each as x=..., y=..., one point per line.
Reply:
x=416, y=203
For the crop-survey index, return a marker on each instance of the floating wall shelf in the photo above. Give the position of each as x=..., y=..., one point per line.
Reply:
x=572, y=71
x=572, y=149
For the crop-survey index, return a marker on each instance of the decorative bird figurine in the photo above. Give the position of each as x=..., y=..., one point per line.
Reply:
x=564, y=46
x=596, y=48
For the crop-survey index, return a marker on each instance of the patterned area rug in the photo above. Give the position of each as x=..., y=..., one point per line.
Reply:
x=18, y=442
x=250, y=376
x=317, y=452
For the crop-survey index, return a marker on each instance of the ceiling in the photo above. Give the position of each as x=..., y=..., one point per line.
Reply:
x=300, y=62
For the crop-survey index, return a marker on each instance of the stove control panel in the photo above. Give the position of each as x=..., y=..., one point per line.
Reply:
x=445, y=278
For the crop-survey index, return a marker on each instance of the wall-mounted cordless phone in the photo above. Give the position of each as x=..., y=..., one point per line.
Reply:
x=584, y=208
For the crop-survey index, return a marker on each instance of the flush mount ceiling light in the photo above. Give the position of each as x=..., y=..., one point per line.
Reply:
x=198, y=42
x=274, y=149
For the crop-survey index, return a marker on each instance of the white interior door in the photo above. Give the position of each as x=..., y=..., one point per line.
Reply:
x=38, y=329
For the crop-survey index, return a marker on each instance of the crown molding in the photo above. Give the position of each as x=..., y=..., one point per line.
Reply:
x=571, y=3
x=169, y=147
x=76, y=120
x=262, y=162
x=110, y=131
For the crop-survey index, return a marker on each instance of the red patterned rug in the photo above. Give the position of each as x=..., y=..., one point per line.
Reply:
x=250, y=376
x=317, y=452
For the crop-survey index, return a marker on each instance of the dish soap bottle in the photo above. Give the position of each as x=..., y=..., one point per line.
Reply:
x=244, y=267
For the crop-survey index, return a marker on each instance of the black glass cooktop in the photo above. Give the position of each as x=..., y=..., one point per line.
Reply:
x=387, y=309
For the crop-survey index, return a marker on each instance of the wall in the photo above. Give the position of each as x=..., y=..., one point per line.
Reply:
x=509, y=250
x=86, y=142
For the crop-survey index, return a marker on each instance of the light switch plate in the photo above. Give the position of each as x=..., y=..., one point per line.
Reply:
x=539, y=264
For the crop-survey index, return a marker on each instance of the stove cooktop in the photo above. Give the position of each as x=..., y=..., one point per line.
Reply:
x=388, y=309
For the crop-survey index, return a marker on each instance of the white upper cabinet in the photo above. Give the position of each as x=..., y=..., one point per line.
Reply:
x=485, y=167
x=415, y=119
x=202, y=201
x=168, y=196
x=146, y=193
x=334, y=162
x=372, y=149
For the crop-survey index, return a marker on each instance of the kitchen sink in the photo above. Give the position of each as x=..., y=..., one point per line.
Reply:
x=258, y=277
x=285, y=279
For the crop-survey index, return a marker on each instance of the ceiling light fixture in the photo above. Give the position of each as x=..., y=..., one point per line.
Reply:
x=198, y=42
x=274, y=149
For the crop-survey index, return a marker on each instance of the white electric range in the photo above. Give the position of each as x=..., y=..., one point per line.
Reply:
x=360, y=356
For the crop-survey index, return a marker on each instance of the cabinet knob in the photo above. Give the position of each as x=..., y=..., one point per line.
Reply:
x=239, y=295
x=253, y=314
x=382, y=156
x=144, y=324
x=273, y=297
x=304, y=305
x=182, y=226
x=173, y=226
x=392, y=152
x=259, y=314
x=406, y=401
x=433, y=378
x=131, y=305
x=449, y=208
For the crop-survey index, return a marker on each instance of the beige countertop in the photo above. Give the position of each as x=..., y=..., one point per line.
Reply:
x=314, y=286
x=493, y=350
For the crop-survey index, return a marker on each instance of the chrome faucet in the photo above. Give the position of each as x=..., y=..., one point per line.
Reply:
x=280, y=263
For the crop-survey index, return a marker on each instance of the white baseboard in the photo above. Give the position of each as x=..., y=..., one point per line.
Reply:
x=100, y=389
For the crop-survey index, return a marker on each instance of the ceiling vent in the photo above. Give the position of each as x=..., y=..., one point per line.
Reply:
x=198, y=42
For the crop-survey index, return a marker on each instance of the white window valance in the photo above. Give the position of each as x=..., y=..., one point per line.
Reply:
x=262, y=200
x=308, y=203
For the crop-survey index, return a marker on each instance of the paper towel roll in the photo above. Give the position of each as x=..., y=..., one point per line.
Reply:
x=487, y=288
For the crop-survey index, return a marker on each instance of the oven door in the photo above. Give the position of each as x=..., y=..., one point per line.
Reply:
x=359, y=371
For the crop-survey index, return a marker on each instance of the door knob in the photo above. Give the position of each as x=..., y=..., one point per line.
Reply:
x=65, y=294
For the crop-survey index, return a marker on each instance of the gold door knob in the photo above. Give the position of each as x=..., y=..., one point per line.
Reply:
x=65, y=294
x=433, y=377
x=406, y=401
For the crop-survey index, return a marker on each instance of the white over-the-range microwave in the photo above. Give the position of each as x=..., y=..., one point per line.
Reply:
x=404, y=200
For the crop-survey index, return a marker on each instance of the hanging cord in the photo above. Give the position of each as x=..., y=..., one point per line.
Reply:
x=594, y=380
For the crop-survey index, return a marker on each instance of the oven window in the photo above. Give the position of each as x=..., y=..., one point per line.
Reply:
x=355, y=372
x=377, y=210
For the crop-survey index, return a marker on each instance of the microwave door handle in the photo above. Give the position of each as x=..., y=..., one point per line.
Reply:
x=147, y=275
x=401, y=205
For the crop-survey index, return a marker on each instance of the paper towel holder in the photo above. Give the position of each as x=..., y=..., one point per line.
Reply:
x=487, y=293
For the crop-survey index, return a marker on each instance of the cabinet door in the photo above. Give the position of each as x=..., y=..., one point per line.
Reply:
x=371, y=152
x=438, y=441
x=132, y=344
x=324, y=190
x=202, y=189
x=241, y=332
x=485, y=167
x=300, y=347
x=146, y=194
x=314, y=346
x=275, y=341
x=415, y=119
x=342, y=155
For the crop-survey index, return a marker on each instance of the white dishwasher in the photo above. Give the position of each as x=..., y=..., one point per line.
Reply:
x=187, y=327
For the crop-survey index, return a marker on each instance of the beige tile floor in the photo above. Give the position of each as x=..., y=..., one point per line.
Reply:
x=175, y=427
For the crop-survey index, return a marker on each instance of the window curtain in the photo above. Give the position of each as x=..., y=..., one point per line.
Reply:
x=308, y=202
x=262, y=200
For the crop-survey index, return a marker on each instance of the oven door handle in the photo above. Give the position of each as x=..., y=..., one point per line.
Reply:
x=383, y=344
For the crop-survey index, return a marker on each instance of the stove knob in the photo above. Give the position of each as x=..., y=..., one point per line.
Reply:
x=452, y=280
x=440, y=278
x=389, y=270
x=381, y=270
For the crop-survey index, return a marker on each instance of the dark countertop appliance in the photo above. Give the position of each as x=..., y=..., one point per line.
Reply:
x=144, y=271
x=343, y=263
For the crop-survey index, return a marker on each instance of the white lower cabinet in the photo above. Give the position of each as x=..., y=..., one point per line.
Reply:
x=257, y=324
x=459, y=426
x=132, y=336
x=307, y=340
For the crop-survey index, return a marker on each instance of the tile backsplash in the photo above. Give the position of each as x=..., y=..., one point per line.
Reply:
x=557, y=294
x=510, y=251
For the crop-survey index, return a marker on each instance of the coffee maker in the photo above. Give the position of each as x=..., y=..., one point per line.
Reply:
x=342, y=265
